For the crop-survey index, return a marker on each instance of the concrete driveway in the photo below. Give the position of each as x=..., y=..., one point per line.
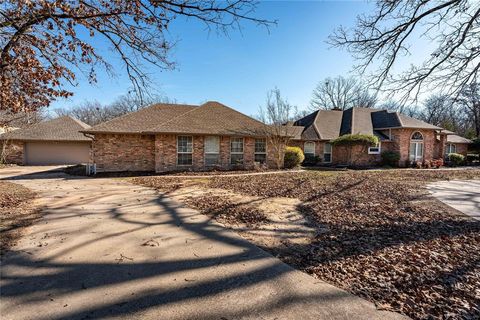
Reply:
x=108, y=249
x=463, y=196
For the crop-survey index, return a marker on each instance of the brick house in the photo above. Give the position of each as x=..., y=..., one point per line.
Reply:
x=413, y=139
x=166, y=137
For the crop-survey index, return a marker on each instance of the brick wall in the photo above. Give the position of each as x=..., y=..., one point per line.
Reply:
x=13, y=152
x=462, y=148
x=123, y=152
x=402, y=137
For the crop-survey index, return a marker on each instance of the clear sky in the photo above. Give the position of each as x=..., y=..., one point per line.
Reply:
x=240, y=68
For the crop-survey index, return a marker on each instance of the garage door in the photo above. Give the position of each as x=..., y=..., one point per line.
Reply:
x=45, y=153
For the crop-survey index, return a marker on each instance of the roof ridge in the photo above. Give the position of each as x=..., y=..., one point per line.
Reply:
x=80, y=122
x=242, y=114
x=171, y=119
x=315, y=124
x=397, y=114
x=143, y=109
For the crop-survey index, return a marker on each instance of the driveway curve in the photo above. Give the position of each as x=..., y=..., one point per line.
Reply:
x=462, y=195
x=109, y=249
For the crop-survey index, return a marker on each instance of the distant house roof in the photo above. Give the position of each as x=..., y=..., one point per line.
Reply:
x=211, y=118
x=453, y=138
x=60, y=129
x=330, y=124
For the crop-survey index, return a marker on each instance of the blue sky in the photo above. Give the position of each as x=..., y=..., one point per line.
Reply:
x=240, y=68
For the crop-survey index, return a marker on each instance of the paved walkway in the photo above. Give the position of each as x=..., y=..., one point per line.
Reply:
x=109, y=249
x=463, y=196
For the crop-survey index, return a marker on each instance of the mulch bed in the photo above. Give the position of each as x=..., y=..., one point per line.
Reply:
x=386, y=239
x=16, y=212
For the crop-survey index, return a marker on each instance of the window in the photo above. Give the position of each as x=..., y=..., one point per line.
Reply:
x=260, y=150
x=451, y=148
x=309, y=149
x=327, y=152
x=374, y=150
x=184, y=150
x=416, y=147
x=212, y=150
x=236, y=150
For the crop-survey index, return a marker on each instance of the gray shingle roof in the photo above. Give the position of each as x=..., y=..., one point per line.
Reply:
x=60, y=129
x=329, y=124
x=453, y=138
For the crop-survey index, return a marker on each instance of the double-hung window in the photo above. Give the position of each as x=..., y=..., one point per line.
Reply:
x=212, y=150
x=260, y=150
x=309, y=149
x=327, y=153
x=236, y=151
x=184, y=150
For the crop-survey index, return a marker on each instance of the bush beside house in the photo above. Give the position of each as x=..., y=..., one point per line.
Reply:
x=390, y=158
x=293, y=157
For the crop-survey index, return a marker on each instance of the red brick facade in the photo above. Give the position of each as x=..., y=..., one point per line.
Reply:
x=114, y=152
x=124, y=152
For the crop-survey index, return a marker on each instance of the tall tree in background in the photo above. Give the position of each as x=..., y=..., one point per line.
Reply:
x=380, y=40
x=47, y=43
x=469, y=101
x=341, y=93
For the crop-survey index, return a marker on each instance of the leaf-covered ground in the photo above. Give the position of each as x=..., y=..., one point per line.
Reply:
x=16, y=212
x=381, y=236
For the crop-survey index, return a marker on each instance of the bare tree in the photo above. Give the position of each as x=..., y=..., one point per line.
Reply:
x=277, y=113
x=469, y=101
x=93, y=112
x=45, y=44
x=380, y=40
x=341, y=93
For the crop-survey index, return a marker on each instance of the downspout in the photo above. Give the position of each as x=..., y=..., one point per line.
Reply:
x=91, y=167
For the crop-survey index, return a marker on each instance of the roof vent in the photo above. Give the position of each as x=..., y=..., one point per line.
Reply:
x=336, y=109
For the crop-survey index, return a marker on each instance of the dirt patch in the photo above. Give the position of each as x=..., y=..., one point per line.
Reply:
x=275, y=224
x=17, y=212
x=377, y=234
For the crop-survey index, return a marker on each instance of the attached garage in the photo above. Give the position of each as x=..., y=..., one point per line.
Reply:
x=53, y=142
x=47, y=153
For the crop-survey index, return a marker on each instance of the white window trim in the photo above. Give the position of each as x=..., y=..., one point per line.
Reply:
x=178, y=152
x=330, y=153
x=255, y=152
x=449, y=148
x=243, y=148
x=205, y=152
x=378, y=147
x=308, y=142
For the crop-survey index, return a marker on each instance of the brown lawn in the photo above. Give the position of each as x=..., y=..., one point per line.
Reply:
x=378, y=234
x=17, y=211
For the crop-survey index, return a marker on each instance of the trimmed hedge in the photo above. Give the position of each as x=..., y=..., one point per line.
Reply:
x=293, y=157
x=456, y=159
x=356, y=139
x=390, y=158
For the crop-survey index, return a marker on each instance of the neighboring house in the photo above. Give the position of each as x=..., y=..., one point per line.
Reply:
x=56, y=141
x=456, y=143
x=413, y=139
x=165, y=137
